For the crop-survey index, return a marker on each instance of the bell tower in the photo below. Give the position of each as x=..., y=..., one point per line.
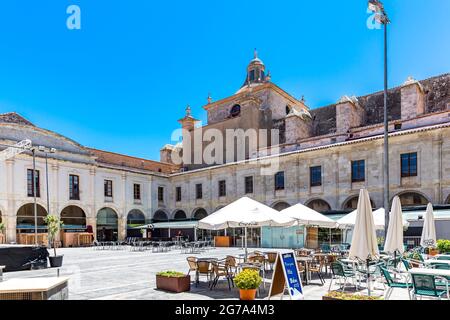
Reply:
x=256, y=71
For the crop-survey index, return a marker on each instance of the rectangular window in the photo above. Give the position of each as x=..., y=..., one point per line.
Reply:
x=248, y=185
x=178, y=194
x=137, y=191
x=30, y=185
x=198, y=191
x=160, y=193
x=222, y=188
x=279, y=181
x=108, y=189
x=409, y=164
x=358, y=171
x=315, y=174
x=74, y=187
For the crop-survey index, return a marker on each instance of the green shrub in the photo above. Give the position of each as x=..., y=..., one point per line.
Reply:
x=248, y=279
x=171, y=274
x=54, y=224
x=2, y=227
x=443, y=246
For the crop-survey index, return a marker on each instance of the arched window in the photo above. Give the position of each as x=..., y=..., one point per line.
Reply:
x=107, y=225
x=352, y=203
x=200, y=214
x=319, y=205
x=411, y=199
x=180, y=215
x=135, y=218
x=73, y=217
x=25, y=218
x=160, y=216
x=288, y=110
x=235, y=111
x=281, y=206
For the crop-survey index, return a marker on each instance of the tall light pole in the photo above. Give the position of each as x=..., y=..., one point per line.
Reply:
x=34, y=176
x=46, y=152
x=381, y=17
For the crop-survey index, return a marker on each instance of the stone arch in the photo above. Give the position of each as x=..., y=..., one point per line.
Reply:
x=107, y=224
x=135, y=218
x=218, y=208
x=351, y=203
x=318, y=204
x=199, y=214
x=280, y=205
x=160, y=215
x=412, y=198
x=73, y=217
x=25, y=218
x=179, y=215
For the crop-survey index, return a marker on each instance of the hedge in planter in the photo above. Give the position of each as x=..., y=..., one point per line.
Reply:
x=173, y=281
x=443, y=246
x=336, y=295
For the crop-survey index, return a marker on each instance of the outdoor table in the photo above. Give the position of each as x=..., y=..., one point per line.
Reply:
x=434, y=272
x=434, y=261
x=306, y=261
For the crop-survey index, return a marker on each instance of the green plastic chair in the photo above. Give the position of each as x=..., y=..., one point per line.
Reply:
x=426, y=285
x=407, y=264
x=338, y=272
x=443, y=257
x=393, y=284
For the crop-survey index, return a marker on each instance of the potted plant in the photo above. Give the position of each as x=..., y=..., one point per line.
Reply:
x=53, y=225
x=143, y=233
x=337, y=295
x=443, y=246
x=248, y=281
x=173, y=281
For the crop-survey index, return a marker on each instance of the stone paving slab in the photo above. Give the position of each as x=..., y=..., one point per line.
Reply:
x=128, y=275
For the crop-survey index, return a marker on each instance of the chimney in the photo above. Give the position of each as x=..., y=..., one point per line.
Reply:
x=412, y=99
x=349, y=114
x=298, y=125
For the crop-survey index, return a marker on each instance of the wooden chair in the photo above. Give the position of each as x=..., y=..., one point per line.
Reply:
x=203, y=268
x=220, y=270
x=316, y=266
x=231, y=262
x=271, y=259
x=192, y=261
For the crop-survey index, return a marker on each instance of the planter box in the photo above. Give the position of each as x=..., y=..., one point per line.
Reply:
x=173, y=284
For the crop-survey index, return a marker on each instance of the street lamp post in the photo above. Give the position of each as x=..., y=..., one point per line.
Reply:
x=381, y=17
x=46, y=152
x=33, y=176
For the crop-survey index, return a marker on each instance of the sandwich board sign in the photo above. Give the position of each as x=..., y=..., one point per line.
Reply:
x=286, y=277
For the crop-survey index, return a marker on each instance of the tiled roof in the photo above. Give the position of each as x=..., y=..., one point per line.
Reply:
x=13, y=117
x=121, y=160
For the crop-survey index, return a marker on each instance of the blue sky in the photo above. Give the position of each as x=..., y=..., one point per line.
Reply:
x=123, y=80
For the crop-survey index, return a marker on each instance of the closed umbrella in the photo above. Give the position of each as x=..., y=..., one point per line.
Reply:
x=244, y=213
x=394, y=237
x=364, y=243
x=429, y=228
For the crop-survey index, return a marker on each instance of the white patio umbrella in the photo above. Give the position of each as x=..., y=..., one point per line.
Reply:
x=308, y=217
x=364, y=243
x=429, y=228
x=349, y=220
x=244, y=213
x=394, y=237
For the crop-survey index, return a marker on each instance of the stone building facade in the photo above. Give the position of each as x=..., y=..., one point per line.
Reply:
x=324, y=156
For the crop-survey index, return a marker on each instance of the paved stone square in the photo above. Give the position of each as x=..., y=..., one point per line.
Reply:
x=128, y=275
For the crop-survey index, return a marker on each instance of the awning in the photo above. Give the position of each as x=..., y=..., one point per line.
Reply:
x=170, y=225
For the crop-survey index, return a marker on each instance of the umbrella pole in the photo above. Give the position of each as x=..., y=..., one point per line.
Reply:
x=368, y=277
x=245, y=241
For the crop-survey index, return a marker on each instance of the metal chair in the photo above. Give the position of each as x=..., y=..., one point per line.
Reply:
x=426, y=285
x=192, y=262
x=392, y=284
x=220, y=270
x=338, y=272
x=203, y=268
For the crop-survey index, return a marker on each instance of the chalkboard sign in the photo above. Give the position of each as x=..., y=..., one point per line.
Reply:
x=286, y=277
